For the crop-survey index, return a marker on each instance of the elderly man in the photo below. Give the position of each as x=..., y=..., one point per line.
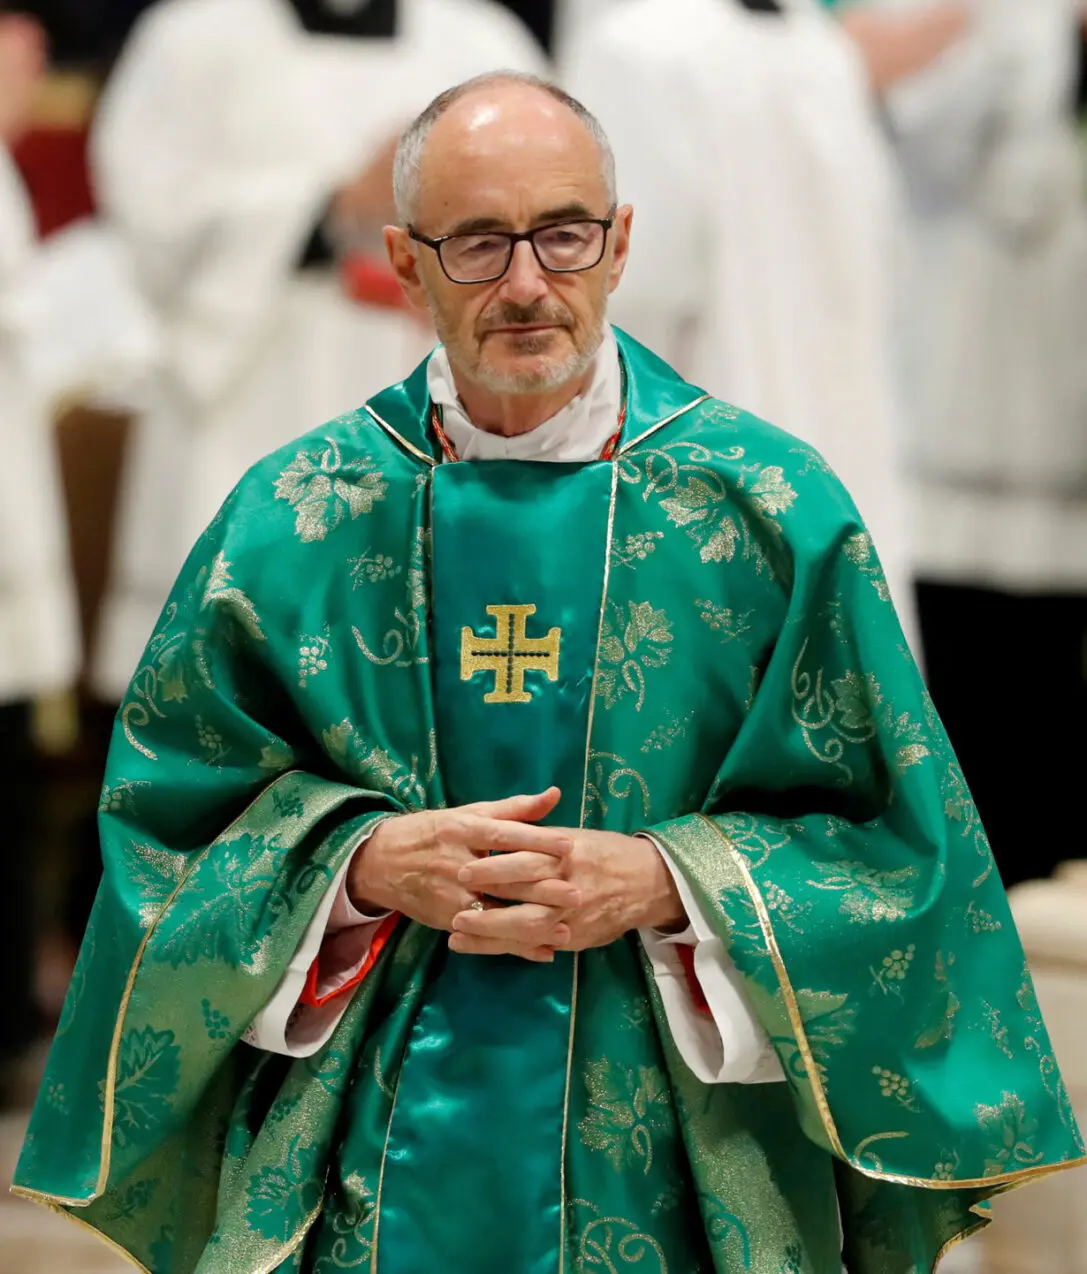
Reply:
x=527, y=771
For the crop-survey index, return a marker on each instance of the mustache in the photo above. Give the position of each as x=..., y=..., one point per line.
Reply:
x=509, y=314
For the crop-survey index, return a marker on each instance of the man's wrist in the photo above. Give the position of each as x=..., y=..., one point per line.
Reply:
x=364, y=892
x=664, y=907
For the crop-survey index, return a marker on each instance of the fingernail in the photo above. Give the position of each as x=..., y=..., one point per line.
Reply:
x=575, y=898
x=464, y=875
x=456, y=941
x=566, y=845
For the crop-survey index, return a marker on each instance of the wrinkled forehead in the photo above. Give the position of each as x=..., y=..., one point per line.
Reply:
x=510, y=162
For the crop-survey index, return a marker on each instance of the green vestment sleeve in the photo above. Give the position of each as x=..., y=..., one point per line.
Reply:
x=843, y=863
x=218, y=841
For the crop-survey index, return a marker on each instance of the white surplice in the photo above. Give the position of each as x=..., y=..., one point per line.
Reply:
x=996, y=325
x=765, y=226
x=39, y=640
x=224, y=131
x=725, y=1045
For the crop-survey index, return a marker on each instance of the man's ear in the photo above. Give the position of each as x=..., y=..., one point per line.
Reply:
x=624, y=217
x=405, y=263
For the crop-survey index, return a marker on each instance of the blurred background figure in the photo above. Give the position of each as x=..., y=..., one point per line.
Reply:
x=995, y=362
x=39, y=644
x=747, y=139
x=242, y=159
x=243, y=152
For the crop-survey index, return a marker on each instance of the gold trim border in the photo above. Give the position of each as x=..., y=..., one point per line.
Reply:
x=566, y=1113
x=42, y=1201
x=819, y=1093
x=106, y=1152
x=628, y=446
x=599, y=634
x=399, y=438
x=381, y=1170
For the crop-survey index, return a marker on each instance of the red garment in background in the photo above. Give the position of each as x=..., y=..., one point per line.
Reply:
x=53, y=162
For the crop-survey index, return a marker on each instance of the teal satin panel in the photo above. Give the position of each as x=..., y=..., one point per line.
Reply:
x=485, y=1075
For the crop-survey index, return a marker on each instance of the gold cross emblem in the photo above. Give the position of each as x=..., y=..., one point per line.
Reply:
x=509, y=654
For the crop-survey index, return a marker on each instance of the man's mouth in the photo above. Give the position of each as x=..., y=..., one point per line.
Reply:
x=524, y=328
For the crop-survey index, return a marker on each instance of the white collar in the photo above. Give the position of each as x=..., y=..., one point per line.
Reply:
x=575, y=435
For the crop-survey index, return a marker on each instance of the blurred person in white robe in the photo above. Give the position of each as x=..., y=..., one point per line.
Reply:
x=768, y=275
x=38, y=630
x=243, y=151
x=995, y=359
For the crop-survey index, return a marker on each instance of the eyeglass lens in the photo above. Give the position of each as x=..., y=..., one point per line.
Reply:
x=469, y=258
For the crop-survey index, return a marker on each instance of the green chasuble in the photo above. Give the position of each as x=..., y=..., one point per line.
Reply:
x=693, y=638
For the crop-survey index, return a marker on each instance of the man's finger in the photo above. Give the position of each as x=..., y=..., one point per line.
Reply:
x=492, y=835
x=528, y=925
x=513, y=867
x=520, y=809
x=559, y=894
x=464, y=944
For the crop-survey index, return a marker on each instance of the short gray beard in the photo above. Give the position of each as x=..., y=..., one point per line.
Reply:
x=554, y=375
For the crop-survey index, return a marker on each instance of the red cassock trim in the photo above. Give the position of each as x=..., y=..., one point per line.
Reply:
x=309, y=994
x=686, y=958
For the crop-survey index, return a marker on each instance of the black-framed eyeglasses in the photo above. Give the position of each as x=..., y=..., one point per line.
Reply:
x=565, y=247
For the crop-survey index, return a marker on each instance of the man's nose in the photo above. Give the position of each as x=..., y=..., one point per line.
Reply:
x=525, y=282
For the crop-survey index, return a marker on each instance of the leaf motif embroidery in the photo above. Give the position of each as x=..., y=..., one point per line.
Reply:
x=323, y=490
x=220, y=592
x=1011, y=1131
x=627, y=1108
x=229, y=906
x=281, y=1198
x=633, y=640
x=148, y=1072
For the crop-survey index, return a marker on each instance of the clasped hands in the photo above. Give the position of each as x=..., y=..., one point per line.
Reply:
x=555, y=888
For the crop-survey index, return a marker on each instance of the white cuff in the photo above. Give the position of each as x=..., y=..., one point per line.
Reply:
x=727, y=1046
x=345, y=936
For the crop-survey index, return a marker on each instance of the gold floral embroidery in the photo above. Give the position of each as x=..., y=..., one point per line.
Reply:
x=603, y=1245
x=402, y=641
x=323, y=489
x=830, y=718
x=211, y=742
x=893, y=970
x=276, y=756
x=724, y=621
x=312, y=658
x=120, y=797
x=219, y=591
x=945, y=1006
x=634, y=639
x=948, y=1166
x=1011, y=1131
x=697, y=495
x=372, y=765
x=1037, y=1042
x=610, y=776
x=159, y=681
x=663, y=736
x=627, y=1107
x=997, y=1029
x=372, y=568
x=635, y=548
x=896, y=1087
x=828, y=1020
x=980, y=921
x=868, y=895
x=860, y=550
x=959, y=807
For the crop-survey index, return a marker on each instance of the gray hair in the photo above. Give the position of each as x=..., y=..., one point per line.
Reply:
x=409, y=153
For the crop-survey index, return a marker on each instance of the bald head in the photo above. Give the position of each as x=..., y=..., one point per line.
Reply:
x=504, y=121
